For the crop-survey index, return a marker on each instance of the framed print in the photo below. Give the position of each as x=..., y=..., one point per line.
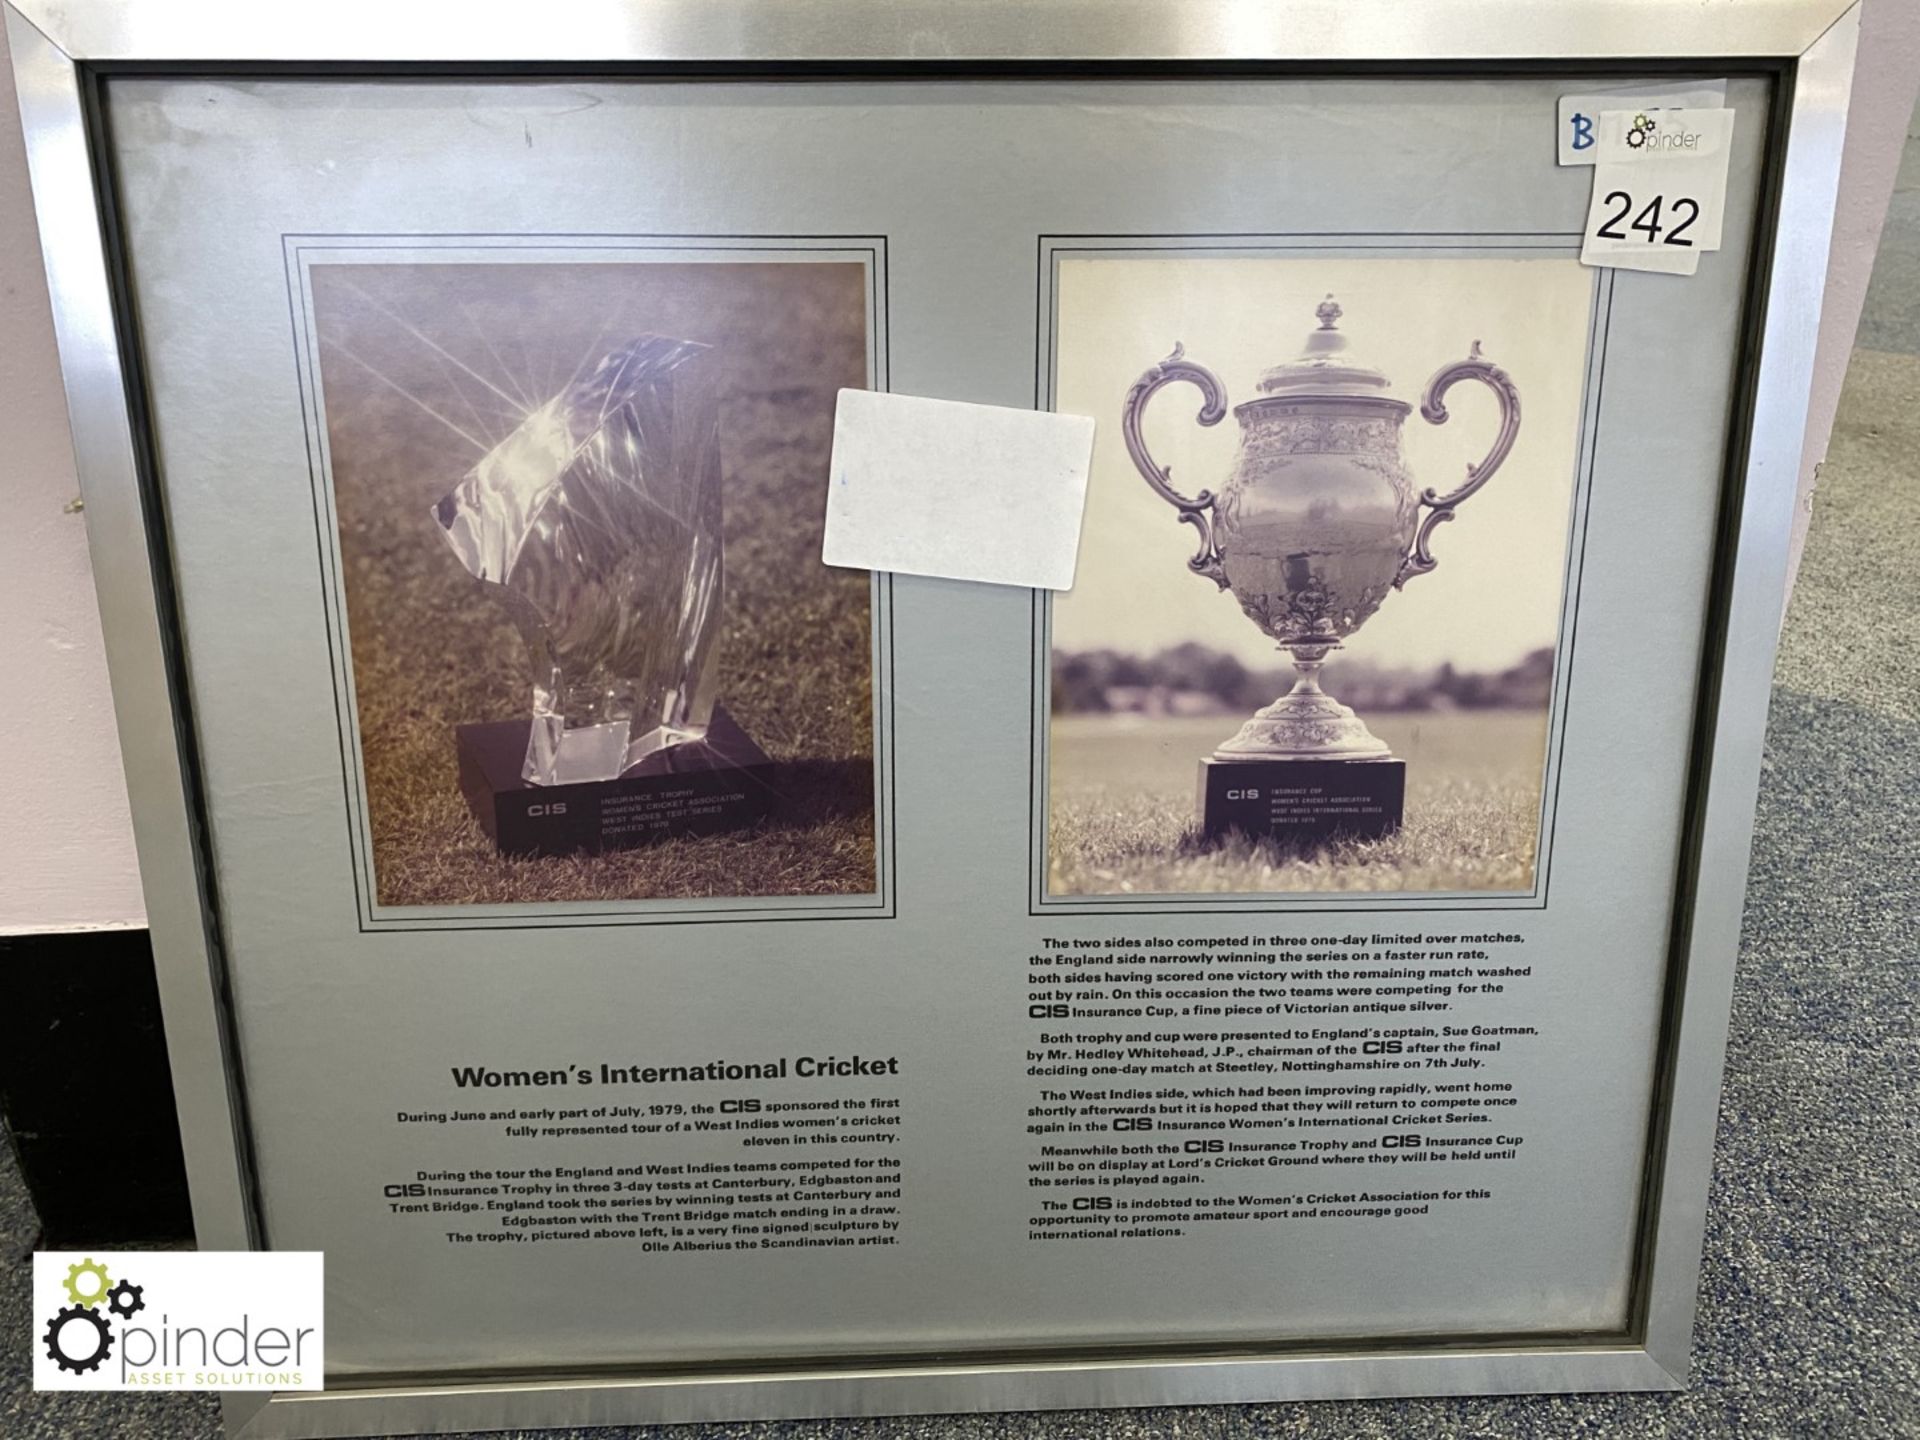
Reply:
x=1144, y=667
x=427, y=359
x=671, y=978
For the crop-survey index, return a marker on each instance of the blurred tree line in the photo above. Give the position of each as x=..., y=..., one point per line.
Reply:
x=1193, y=679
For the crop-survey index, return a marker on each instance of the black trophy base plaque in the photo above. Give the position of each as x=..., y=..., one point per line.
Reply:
x=1302, y=802
x=700, y=788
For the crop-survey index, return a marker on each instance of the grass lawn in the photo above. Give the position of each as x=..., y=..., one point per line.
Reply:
x=1121, y=810
x=432, y=650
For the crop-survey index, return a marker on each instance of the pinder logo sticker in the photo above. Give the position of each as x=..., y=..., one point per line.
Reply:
x=178, y=1320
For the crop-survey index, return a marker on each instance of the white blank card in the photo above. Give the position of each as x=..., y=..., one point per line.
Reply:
x=969, y=492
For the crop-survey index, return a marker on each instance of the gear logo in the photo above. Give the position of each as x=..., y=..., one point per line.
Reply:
x=1641, y=133
x=221, y=1321
x=124, y=1300
x=84, y=1294
x=78, y=1336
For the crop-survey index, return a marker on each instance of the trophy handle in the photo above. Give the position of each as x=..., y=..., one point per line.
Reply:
x=1433, y=409
x=1199, y=511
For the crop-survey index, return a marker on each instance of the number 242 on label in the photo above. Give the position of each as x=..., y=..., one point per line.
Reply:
x=1680, y=212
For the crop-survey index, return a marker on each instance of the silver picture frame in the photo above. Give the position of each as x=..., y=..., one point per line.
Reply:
x=63, y=50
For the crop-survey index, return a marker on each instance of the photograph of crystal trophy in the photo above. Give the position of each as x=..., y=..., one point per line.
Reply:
x=597, y=524
x=1317, y=523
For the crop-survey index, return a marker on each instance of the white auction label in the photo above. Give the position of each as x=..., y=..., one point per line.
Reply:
x=1659, y=189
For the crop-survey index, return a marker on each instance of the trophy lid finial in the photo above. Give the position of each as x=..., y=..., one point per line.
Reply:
x=1324, y=370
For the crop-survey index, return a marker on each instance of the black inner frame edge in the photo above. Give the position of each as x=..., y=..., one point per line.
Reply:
x=1747, y=361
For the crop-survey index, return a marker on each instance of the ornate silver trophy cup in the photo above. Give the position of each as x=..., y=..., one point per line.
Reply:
x=1317, y=523
x=597, y=523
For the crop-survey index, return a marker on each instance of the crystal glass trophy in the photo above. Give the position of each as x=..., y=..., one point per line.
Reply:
x=597, y=524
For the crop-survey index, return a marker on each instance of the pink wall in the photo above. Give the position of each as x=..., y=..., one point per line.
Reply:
x=66, y=849
x=66, y=854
